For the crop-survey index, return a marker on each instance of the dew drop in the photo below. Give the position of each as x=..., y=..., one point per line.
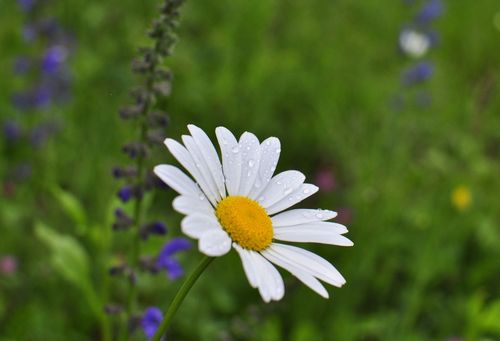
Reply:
x=278, y=150
x=288, y=191
x=251, y=163
x=257, y=183
x=235, y=149
x=268, y=143
x=305, y=191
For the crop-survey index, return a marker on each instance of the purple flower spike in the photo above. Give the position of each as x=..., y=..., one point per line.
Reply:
x=53, y=59
x=151, y=321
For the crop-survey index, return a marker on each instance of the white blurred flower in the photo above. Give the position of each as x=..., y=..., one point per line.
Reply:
x=414, y=43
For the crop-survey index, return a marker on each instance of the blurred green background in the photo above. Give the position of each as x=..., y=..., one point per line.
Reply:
x=417, y=184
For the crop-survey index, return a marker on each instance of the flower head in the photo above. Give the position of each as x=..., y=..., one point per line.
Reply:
x=414, y=43
x=151, y=321
x=8, y=265
x=166, y=258
x=418, y=73
x=461, y=198
x=241, y=205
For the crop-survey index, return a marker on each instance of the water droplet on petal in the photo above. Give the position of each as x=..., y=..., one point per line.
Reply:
x=251, y=163
x=235, y=149
x=278, y=150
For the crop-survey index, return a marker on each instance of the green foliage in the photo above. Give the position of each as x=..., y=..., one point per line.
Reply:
x=70, y=261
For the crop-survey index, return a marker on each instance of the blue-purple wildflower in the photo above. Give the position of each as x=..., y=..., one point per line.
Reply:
x=166, y=258
x=150, y=321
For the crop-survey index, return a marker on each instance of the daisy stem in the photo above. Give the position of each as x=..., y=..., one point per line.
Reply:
x=179, y=297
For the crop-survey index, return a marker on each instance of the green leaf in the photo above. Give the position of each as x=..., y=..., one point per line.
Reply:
x=72, y=207
x=67, y=257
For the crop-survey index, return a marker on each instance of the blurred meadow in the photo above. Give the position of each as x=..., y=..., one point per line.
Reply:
x=402, y=137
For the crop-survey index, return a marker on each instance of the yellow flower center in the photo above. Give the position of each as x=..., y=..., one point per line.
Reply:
x=246, y=222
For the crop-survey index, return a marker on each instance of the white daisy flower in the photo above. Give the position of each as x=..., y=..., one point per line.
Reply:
x=241, y=205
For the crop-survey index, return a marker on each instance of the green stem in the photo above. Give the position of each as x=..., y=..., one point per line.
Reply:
x=179, y=297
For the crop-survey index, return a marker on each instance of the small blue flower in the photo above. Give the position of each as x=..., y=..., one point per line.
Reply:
x=418, y=73
x=430, y=11
x=12, y=130
x=158, y=228
x=166, y=258
x=151, y=321
x=29, y=33
x=53, y=58
x=21, y=65
x=126, y=193
x=26, y=5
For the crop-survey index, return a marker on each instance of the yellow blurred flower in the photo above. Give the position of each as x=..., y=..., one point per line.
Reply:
x=461, y=197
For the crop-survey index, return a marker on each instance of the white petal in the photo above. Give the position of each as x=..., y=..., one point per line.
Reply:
x=250, y=162
x=177, y=180
x=320, y=226
x=270, y=282
x=248, y=265
x=324, y=233
x=281, y=186
x=269, y=155
x=188, y=204
x=185, y=159
x=201, y=166
x=302, y=216
x=197, y=224
x=303, y=276
x=210, y=156
x=304, y=191
x=215, y=243
x=231, y=159
x=309, y=262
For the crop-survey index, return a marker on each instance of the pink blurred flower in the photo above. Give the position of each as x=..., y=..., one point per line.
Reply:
x=8, y=265
x=325, y=179
x=9, y=189
x=344, y=215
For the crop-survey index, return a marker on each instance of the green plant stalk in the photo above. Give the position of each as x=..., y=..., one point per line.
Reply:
x=136, y=240
x=179, y=297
